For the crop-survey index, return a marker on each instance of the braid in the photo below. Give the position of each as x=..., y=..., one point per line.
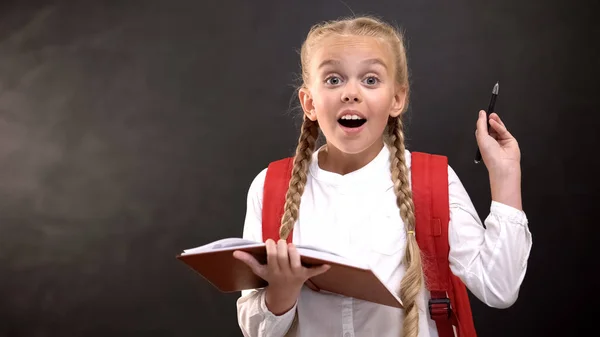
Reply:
x=306, y=146
x=413, y=279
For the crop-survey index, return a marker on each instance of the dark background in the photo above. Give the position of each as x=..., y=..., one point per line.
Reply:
x=131, y=130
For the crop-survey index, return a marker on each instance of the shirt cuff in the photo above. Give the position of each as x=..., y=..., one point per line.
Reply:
x=508, y=212
x=277, y=319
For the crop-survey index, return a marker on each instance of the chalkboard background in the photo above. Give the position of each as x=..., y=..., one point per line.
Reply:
x=130, y=130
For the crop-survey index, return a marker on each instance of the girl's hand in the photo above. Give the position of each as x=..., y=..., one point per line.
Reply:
x=502, y=157
x=284, y=273
x=499, y=149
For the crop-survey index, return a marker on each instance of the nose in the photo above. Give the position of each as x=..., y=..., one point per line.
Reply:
x=350, y=94
x=350, y=98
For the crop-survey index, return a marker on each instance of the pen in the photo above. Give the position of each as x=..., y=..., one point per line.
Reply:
x=487, y=114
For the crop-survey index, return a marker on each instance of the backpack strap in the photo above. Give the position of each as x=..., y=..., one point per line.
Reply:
x=449, y=304
x=276, y=185
x=430, y=196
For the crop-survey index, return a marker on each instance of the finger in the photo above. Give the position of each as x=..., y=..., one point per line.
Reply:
x=283, y=259
x=500, y=130
x=493, y=133
x=314, y=271
x=495, y=117
x=251, y=262
x=272, y=263
x=295, y=264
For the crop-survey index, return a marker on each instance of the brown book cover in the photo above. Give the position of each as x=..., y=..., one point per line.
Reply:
x=215, y=263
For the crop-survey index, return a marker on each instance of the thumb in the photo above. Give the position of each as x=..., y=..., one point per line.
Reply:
x=251, y=262
x=482, y=129
x=314, y=271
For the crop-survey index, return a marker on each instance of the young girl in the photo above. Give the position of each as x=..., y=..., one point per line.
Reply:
x=352, y=196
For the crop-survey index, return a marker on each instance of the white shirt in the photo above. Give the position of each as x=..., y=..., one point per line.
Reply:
x=355, y=215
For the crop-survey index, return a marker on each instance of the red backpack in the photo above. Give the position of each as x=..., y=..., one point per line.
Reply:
x=430, y=196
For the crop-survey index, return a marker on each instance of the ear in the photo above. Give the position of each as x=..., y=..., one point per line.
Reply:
x=307, y=103
x=399, y=101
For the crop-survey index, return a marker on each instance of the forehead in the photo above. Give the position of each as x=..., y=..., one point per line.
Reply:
x=350, y=49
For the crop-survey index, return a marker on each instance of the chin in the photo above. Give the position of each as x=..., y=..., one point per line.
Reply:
x=352, y=147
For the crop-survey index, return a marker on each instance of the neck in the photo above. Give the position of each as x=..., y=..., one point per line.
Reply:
x=333, y=160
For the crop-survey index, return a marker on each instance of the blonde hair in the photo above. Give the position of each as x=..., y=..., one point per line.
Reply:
x=365, y=26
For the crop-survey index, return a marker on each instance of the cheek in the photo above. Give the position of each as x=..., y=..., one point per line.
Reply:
x=380, y=104
x=324, y=106
x=324, y=100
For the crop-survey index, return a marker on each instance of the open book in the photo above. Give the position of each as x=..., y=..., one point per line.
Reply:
x=215, y=262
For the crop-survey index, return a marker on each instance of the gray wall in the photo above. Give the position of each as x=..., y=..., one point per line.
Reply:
x=130, y=130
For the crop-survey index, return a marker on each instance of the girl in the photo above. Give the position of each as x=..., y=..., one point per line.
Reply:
x=352, y=196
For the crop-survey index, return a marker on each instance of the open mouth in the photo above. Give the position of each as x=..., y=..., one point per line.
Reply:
x=352, y=121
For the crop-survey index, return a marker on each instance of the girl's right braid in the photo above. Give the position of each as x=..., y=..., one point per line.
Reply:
x=306, y=146
x=411, y=283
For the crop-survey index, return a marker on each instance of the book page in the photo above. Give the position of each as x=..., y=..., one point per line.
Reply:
x=303, y=250
x=318, y=253
x=223, y=244
x=316, y=249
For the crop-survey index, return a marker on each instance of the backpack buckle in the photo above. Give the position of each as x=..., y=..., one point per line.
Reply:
x=439, y=308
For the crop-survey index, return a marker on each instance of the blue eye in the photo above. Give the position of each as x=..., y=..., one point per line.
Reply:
x=333, y=80
x=372, y=80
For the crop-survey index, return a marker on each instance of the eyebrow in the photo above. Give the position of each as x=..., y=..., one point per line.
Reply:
x=368, y=62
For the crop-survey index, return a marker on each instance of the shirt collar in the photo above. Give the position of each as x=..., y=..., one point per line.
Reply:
x=376, y=174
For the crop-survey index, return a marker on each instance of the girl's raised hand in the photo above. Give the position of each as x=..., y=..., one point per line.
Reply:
x=499, y=149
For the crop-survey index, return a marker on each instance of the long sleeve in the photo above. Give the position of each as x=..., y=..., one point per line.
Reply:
x=491, y=261
x=254, y=317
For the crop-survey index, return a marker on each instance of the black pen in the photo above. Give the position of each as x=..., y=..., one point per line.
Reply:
x=487, y=116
